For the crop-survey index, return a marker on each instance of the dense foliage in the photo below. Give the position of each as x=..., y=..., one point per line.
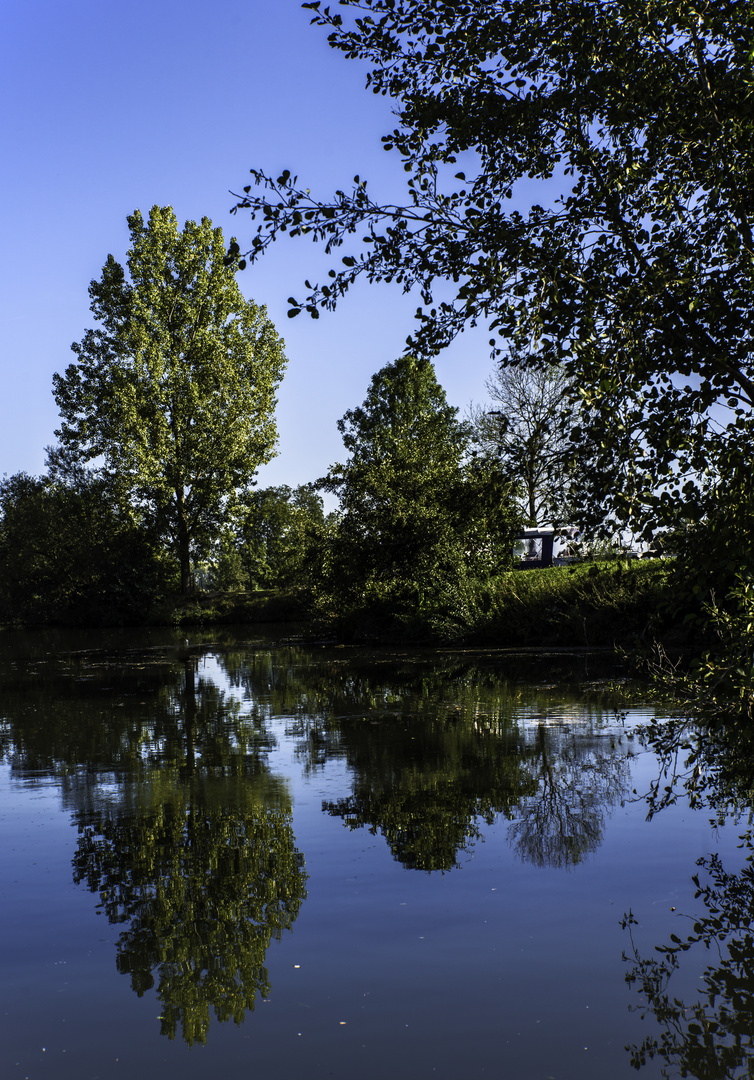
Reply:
x=636, y=276
x=419, y=526
x=173, y=395
x=68, y=553
x=267, y=542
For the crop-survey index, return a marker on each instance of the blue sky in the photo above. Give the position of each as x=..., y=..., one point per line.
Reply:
x=113, y=106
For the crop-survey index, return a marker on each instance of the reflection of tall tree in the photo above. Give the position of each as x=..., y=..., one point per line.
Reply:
x=206, y=873
x=183, y=832
x=200, y=862
x=578, y=779
x=197, y=720
x=712, y=1037
x=425, y=781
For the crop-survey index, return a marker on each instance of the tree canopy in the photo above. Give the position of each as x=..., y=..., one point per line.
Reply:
x=636, y=277
x=271, y=533
x=174, y=393
x=69, y=554
x=417, y=518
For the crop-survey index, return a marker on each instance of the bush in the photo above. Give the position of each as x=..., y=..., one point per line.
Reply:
x=68, y=554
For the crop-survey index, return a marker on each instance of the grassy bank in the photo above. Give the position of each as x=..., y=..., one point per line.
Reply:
x=619, y=603
x=613, y=604
x=230, y=608
x=604, y=604
x=609, y=604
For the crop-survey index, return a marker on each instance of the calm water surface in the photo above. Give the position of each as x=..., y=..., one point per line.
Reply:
x=223, y=858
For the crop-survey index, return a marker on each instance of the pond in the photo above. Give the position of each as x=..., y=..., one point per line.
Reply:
x=224, y=857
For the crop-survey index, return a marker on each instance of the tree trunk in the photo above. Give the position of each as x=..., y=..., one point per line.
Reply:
x=184, y=551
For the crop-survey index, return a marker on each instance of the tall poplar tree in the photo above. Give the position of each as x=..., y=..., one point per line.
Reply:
x=173, y=395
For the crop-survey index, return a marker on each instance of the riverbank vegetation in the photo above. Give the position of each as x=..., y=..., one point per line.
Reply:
x=420, y=550
x=68, y=559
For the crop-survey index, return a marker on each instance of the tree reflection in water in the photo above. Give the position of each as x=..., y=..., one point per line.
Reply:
x=425, y=783
x=205, y=873
x=708, y=1034
x=187, y=837
x=429, y=785
x=711, y=1037
x=438, y=752
x=198, y=858
x=578, y=777
x=183, y=831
